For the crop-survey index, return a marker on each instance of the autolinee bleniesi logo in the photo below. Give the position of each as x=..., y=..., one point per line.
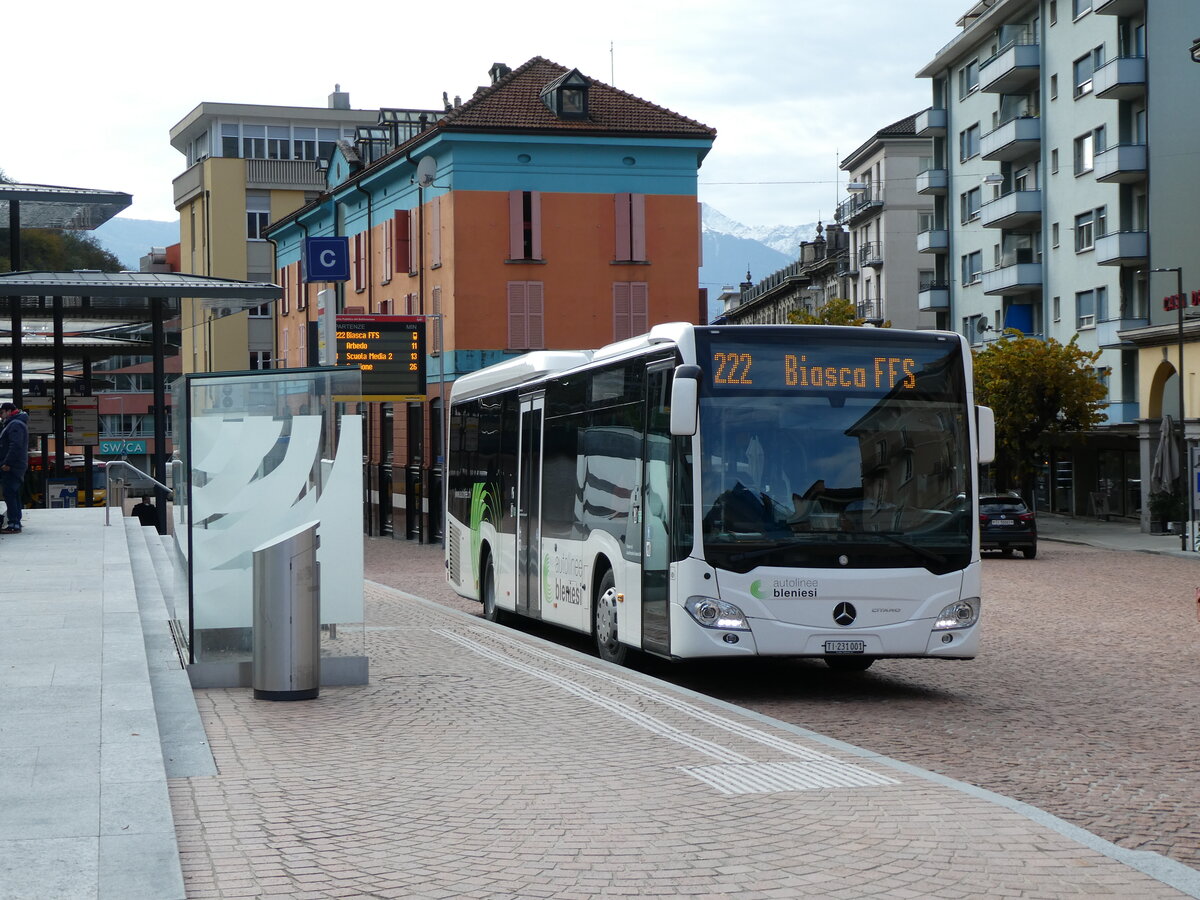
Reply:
x=785, y=589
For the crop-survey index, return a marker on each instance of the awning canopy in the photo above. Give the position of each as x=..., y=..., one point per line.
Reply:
x=50, y=206
x=151, y=285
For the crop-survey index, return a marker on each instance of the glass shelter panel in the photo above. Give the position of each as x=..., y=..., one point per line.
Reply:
x=260, y=454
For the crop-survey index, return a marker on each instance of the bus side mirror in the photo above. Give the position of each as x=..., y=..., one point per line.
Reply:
x=685, y=395
x=985, y=427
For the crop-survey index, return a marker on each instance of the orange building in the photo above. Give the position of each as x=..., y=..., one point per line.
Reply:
x=549, y=211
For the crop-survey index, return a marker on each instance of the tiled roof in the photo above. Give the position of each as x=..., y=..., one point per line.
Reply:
x=907, y=125
x=514, y=102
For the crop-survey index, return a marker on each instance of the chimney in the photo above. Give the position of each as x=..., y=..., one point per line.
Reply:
x=339, y=99
x=498, y=71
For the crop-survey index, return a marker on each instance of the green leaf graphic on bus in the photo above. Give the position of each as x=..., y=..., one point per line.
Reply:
x=485, y=507
x=756, y=590
x=547, y=591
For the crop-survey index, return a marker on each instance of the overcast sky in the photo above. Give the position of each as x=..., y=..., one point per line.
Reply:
x=790, y=85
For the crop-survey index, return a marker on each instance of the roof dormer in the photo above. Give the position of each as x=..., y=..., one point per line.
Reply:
x=567, y=95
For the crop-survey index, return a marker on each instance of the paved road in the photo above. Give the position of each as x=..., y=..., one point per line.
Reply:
x=1085, y=701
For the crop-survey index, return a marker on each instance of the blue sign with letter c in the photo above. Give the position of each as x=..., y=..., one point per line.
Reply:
x=327, y=259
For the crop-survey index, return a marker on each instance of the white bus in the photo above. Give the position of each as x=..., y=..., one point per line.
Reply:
x=723, y=491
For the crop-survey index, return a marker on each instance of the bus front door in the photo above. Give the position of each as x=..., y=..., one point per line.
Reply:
x=529, y=507
x=656, y=505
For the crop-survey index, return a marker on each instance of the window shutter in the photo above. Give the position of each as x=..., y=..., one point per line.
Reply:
x=400, y=226
x=433, y=342
x=516, y=225
x=517, y=334
x=435, y=236
x=535, y=223
x=639, y=301
x=621, y=220
x=621, y=322
x=389, y=249
x=285, y=302
x=534, y=315
x=414, y=241
x=637, y=228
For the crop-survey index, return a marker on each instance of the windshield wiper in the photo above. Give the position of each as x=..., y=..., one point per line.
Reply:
x=928, y=555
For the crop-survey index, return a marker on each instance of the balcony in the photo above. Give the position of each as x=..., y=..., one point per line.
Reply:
x=1013, y=70
x=860, y=205
x=932, y=181
x=1107, y=332
x=1013, y=278
x=1121, y=413
x=284, y=174
x=1123, y=248
x=1122, y=164
x=189, y=184
x=870, y=309
x=1012, y=210
x=1123, y=78
x=935, y=240
x=931, y=123
x=1119, y=7
x=1017, y=137
x=933, y=296
x=871, y=254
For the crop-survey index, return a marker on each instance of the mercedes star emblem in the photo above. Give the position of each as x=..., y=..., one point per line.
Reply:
x=844, y=614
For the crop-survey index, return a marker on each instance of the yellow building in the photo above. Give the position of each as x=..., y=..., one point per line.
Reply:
x=247, y=165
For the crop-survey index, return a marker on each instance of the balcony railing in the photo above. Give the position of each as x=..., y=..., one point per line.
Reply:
x=871, y=254
x=1015, y=67
x=860, y=204
x=1012, y=210
x=1013, y=278
x=933, y=295
x=1012, y=139
x=1121, y=164
x=1123, y=248
x=932, y=181
x=1119, y=7
x=935, y=240
x=1123, y=78
x=870, y=308
x=931, y=122
x=1107, y=331
x=284, y=174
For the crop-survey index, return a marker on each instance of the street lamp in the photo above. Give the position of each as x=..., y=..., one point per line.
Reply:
x=1183, y=458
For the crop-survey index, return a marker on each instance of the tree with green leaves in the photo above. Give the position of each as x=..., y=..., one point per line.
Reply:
x=1039, y=391
x=836, y=312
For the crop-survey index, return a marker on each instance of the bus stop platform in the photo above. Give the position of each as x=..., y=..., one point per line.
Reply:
x=479, y=761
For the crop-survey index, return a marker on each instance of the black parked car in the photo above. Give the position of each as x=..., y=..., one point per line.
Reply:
x=1007, y=524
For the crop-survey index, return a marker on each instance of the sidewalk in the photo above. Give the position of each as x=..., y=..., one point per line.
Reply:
x=479, y=761
x=1115, y=534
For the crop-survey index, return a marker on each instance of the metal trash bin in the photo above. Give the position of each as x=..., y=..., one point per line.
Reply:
x=287, y=616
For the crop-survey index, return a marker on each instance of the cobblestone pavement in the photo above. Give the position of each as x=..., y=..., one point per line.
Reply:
x=1085, y=701
x=583, y=781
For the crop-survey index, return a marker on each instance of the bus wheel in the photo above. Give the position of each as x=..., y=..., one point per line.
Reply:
x=609, y=647
x=849, y=663
x=491, y=611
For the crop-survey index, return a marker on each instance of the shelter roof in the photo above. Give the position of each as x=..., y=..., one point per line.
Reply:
x=51, y=206
x=132, y=284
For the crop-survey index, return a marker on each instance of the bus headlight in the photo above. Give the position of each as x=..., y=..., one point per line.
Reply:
x=716, y=614
x=959, y=614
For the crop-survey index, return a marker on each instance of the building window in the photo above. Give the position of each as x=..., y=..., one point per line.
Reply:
x=1082, y=6
x=254, y=141
x=1085, y=309
x=229, y=140
x=304, y=143
x=1084, y=68
x=1053, y=12
x=261, y=312
x=524, y=225
x=525, y=315
x=279, y=142
x=972, y=267
x=630, y=309
x=630, y=214
x=1056, y=306
x=1054, y=87
x=1054, y=235
x=968, y=79
x=258, y=214
x=969, y=203
x=1089, y=226
x=1054, y=161
x=1085, y=153
x=968, y=143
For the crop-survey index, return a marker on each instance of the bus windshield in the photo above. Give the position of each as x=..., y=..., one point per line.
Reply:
x=840, y=448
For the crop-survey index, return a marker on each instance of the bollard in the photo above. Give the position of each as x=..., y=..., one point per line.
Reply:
x=287, y=616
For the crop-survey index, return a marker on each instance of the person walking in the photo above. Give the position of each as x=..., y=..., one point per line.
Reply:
x=14, y=460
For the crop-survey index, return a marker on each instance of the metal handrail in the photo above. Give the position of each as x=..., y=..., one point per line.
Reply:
x=120, y=463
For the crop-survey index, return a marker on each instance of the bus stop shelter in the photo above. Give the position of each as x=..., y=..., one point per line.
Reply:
x=58, y=319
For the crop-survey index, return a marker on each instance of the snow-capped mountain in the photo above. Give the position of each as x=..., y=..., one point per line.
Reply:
x=784, y=239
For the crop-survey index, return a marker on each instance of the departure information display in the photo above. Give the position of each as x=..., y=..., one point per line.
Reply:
x=390, y=351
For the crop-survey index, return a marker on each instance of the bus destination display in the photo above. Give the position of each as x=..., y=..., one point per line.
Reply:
x=744, y=369
x=390, y=352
